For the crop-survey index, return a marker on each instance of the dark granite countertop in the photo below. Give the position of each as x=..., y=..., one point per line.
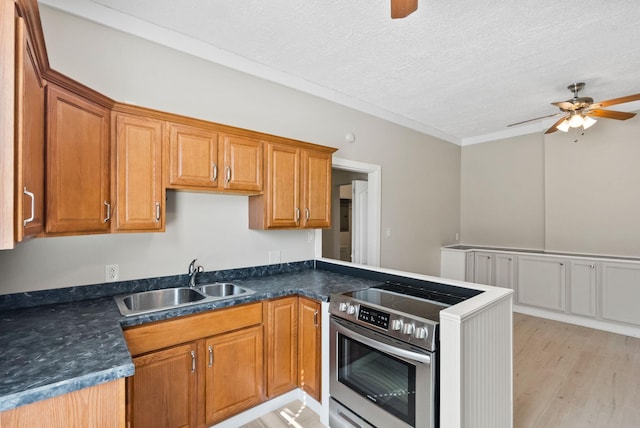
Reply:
x=59, y=348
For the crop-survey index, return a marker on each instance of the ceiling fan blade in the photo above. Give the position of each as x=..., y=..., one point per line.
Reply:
x=537, y=118
x=554, y=127
x=403, y=8
x=614, y=101
x=565, y=105
x=609, y=114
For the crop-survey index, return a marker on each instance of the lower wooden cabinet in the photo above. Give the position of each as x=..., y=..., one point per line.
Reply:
x=281, y=345
x=309, y=347
x=202, y=369
x=95, y=406
x=234, y=375
x=163, y=392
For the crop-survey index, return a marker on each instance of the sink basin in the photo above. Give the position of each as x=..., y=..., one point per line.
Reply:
x=158, y=300
x=155, y=300
x=223, y=289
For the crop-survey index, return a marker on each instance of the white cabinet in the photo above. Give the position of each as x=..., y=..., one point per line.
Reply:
x=454, y=265
x=621, y=292
x=503, y=270
x=483, y=268
x=541, y=282
x=582, y=287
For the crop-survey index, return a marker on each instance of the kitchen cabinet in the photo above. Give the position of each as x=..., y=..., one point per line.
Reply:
x=138, y=172
x=242, y=159
x=496, y=269
x=7, y=122
x=221, y=351
x=234, y=376
x=541, y=282
x=29, y=139
x=297, y=189
x=163, y=391
x=621, y=292
x=309, y=347
x=582, y=287
x=192, y=157
x=78, y=164
x=281, y=345
x=95, y=406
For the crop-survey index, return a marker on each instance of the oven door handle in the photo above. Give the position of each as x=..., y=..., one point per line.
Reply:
x=382, y=346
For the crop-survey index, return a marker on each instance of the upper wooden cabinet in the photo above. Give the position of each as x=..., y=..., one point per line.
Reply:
x=297, y=189
x=78, y=164
x=192, y=157
x=242, y=159
x=29, y=139
x=138, y=157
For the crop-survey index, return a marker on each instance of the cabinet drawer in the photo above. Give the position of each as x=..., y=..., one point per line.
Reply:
x=158, y=335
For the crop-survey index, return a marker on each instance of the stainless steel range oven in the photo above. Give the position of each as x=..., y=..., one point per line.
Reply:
x=384, y=359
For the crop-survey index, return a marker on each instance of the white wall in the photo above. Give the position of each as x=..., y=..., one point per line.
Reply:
x=420, y=174
x=552, y=193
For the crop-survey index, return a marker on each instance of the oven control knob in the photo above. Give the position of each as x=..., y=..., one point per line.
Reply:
x=351, y=309
x=421, y=333
x=343, y=307
x=396, y=324
x=408, y=328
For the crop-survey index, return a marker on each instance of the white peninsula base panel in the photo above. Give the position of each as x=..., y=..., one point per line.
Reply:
x=593, y=291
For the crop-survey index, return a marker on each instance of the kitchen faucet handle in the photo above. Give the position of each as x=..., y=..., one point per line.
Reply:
x=192, y=266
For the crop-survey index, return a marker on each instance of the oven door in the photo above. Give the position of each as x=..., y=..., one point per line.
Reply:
x=384, y=381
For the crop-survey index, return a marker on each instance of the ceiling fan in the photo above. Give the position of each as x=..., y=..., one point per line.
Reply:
x=403, y=8
x=580, y=111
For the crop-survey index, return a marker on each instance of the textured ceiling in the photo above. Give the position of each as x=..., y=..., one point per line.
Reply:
x=458, y=69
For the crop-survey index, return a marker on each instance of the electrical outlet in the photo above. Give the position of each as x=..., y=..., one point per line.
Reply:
x=111, y=273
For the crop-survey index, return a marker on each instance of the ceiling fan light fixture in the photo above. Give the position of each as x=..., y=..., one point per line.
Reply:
x=588, y=122
x=563, y=126
x=576, y=120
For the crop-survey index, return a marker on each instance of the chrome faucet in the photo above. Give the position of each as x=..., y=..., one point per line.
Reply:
x=193, y=270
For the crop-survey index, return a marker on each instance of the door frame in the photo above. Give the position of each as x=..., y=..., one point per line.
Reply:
x=373, y=227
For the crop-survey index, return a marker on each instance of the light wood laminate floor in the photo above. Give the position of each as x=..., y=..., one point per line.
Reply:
x=569, y=376
x=564, y=376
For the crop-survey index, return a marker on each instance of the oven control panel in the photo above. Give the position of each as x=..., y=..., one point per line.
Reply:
x=398, y=325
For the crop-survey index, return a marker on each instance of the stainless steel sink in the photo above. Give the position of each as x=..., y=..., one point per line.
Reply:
x=223, y=289
x=158, y=300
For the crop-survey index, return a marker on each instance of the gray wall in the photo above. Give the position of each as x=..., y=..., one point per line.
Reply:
x=549, y=192
x=420, y=173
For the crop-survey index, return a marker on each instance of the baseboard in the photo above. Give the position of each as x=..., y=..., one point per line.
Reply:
x=626, y=330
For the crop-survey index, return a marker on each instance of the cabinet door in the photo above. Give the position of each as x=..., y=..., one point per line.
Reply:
x=283, y=186
x=503, y=272
x=29, y=173
x=138, y=174
x=316, y=189
x=309, y=347
x=483, y=268
x=621, y=292
x=7, y=123
x=78, y=188
x=541, y=282
x=193, y=157
x=242, y=159
x=163, y=391
x=281, y=354
x=582, y=287
x=234, y=375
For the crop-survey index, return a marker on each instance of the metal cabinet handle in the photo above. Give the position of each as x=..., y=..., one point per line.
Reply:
x=592, y=266
x=108, y=217
x=306, y=214
x=315, y=318
x=214, y=172
x=33, y=206
x=210, y=356
x=193, y=361
x=561, y=264
x=157, y=212
x=297, y=215
x=228, y=173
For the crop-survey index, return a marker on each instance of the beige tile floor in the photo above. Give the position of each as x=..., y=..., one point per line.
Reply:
x=302, y=416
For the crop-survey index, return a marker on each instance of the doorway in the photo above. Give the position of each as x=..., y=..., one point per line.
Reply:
x=355, y=217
